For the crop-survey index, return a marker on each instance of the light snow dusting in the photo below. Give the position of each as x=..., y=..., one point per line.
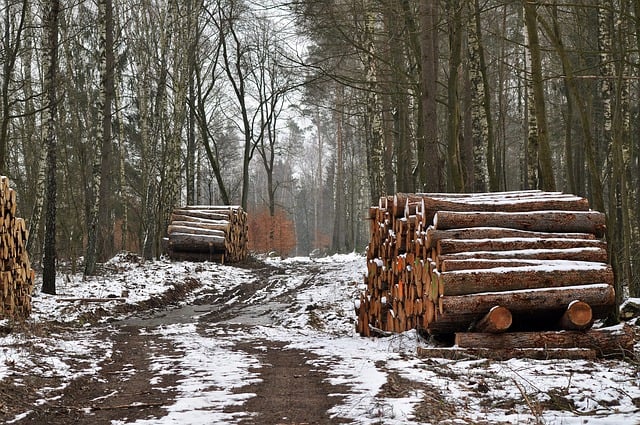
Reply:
x=308, y=305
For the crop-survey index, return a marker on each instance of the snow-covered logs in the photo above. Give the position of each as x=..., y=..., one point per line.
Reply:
x=491, y=262
x=208, y=233
x=16, y=274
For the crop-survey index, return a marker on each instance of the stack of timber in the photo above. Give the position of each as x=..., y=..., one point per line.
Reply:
x=524, y=261
x=208, y=233
x=16, y=274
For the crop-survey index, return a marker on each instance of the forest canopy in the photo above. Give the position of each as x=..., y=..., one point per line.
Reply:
x=113, y=112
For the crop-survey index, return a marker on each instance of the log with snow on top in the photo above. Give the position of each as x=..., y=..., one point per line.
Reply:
x=528, y=277
x=203, y=233
x=615, y=341
x=479, y=263
x=540, y=221
x=450, y=246
x=433, y=235
x=528, y=307
x=592, y=254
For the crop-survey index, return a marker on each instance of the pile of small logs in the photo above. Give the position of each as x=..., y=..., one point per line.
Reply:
x=208, y=233
x=16, y=274
x=489, y=263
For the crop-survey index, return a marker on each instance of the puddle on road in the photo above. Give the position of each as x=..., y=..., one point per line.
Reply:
x=250, y=315
x=256, y=315
x=184, y=314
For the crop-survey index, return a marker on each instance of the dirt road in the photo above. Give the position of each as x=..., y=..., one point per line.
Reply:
x=125, y=387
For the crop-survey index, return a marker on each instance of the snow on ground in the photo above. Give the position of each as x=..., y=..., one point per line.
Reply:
x=320, y=319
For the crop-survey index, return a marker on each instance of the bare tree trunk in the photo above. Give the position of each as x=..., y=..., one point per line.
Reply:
x=455, y=173
x=373, y=119
x=51, y=82
x=545, y=164
x=484, y=172
x=100, y=233
x=10, y=54
x=339, y=223
x=428, y=153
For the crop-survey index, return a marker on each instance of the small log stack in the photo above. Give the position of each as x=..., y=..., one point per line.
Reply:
x=485, y=263
x=16, y=274
x=208, y=233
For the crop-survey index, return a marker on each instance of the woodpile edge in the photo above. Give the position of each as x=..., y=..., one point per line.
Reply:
x=16, y=275
x=519, y=267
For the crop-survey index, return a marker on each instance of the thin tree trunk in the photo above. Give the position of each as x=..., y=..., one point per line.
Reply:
x=339, y=223
x=51, y=82
x=456, y=177
x=428, y=153
x=100, y=231
x=542, y=135
x=374, y=122
x=484, y=172
x=10, y=54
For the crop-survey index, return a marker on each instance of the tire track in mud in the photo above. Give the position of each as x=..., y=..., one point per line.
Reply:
x=290, y=391
x=121, y=390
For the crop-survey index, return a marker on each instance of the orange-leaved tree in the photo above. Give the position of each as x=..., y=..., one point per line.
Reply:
x=269, y=233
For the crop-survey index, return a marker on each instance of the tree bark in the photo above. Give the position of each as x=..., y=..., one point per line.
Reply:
x=452, y=246
x=545, y=162
x=616, y=341
x=454, y=162
x=462, y=310
x=466, y=282
x=434, y=235
x=51, y=84
x=541, y=221
x=428, y=151
x=595, y=254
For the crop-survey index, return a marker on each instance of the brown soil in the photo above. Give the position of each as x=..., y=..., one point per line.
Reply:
x=120, y=390
x=291, y=391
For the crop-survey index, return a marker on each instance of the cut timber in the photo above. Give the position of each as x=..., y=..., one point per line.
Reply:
x=194, y=230
x=530, y=277
x=204, y=233
x=455, y=313
x=209, y=215
x=435, y=204
x=434, y=235
x=190, y=242
x=497, y=320
x=457, y=353
x=590, y=254
x=451, y=246
x=16, y=274
x=578, y=316
x=451, y=265
x=217, y=256
x=614, y=341
x=189, y=218
x=540, y=221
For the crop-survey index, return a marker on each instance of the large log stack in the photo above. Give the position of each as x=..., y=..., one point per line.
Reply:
x=208, y=233
x=492, y=262
x=16, y=274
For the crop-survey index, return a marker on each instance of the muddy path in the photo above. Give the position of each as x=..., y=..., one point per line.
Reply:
x=126, y=387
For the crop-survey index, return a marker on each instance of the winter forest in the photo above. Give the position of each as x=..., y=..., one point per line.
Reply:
x=113, y=112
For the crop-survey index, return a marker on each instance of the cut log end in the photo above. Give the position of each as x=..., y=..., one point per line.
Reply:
x=579, y=316
x=497, y=320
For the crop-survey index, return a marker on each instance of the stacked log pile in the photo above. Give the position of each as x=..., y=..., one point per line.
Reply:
x=208, y=233
x=453, y=263
x=16, y=274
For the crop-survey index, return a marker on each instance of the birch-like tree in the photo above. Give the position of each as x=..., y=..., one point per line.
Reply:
x=50, y=141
